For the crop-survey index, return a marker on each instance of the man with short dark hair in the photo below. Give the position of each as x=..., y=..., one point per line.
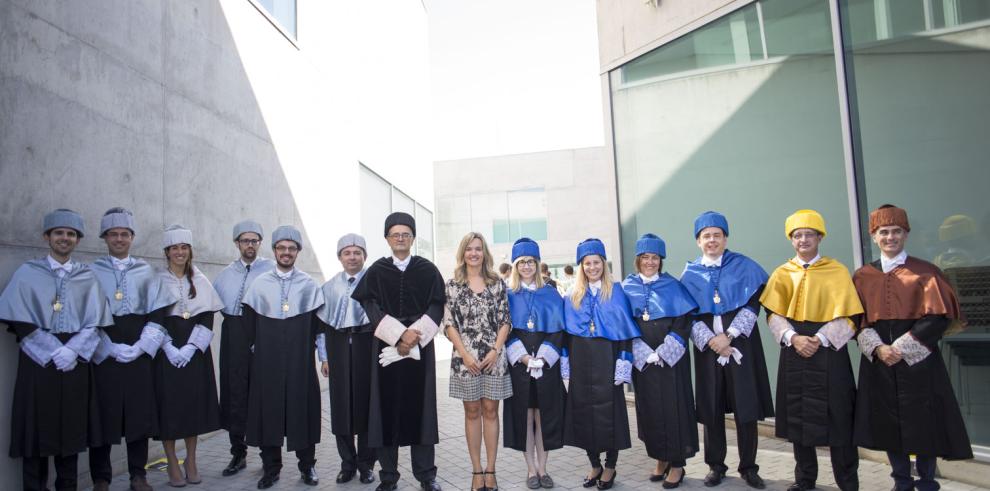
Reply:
x=56, y=308
x=284, y=396
x=235, y=344
x=404, y=297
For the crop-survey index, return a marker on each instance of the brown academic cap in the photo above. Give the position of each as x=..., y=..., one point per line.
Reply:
x=888, y=215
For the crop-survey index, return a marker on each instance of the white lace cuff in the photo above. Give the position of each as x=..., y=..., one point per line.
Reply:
x=778, y=327
x=389, y=330
x=641, y=351
x=549, y=353
x=426, y=328
x=84, y=342
x=104, y=349
x=515, y=351
x=912, y=351
x=700, y=335
x=743, y=322
x=869, y=341
x=200, y=337
x=39, y=346
x=151, y=338
x=672, y=349
x=565, y=367
x=623, y=371
x=321, y=346
x=838, y=331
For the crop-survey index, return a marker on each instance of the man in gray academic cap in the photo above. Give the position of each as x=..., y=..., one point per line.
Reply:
x=235, y=346
x=56, y=308
x=346, y=358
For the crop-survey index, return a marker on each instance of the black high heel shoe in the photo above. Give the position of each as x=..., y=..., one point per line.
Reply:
x=483, y=487
x=662, y=476
x=603, y=484
x=493, y=488
x=672, y=485
x=590, y=482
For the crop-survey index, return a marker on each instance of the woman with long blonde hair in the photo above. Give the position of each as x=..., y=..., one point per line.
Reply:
x=476, y=320
x=599, y=322
x=534, y=415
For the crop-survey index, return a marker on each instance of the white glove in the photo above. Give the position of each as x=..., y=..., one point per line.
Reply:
x=187, y=352
x=64, y=358
x=172, y=353
x=654, y=358
x=535, y=368
x=124, y=353
x=388, y=356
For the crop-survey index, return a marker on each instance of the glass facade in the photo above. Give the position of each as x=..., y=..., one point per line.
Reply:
x=283, y=11
x=743, y=115
x=379, y=198
x=502, y=216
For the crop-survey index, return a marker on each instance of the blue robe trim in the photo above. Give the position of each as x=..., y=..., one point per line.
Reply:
x=266, y=294
x=548, y=309
x=233, y=282
x=613, y=319
x=738, y=279
x=140, y=284
x=665, y=297
x=29, y=297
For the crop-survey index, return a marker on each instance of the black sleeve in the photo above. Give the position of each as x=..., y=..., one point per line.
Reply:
x=318, y=327
x=754, y=302
x=20, y=329
x=682, y=327
x=929, y=329
x=205, y=319
x=249, y=319
x=435, y=311
x=158, y=316
x=374, y=311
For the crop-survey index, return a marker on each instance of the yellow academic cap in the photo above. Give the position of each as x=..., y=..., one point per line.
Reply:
x=804, y=219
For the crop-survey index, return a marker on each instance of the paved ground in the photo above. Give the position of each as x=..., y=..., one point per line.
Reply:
x=567, y=466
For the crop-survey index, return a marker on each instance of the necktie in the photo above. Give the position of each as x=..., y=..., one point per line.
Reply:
x=350, y=281
x=806, y=266
x=248, y=268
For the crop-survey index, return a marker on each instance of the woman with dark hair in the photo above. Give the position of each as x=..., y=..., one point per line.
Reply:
x=534, y=415
x=476, y=320
x=184, y=378
x=662, y=308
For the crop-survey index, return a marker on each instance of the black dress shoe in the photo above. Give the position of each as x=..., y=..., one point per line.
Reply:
x=661, y=476
x=590, y=482
x=310, y=478
x=345, y=476
x=237, y=463
x=675, y=484
x=603, y=484
x=368, y=476
x=797, y=486
x=430, y=485
x=267, y=481
x=386, y=486
x=714, y=478
x=753, y=479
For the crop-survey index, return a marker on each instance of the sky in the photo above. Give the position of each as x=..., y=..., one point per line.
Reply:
x=513, y=76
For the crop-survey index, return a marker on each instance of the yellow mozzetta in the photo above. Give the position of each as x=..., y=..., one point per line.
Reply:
x=821, y=293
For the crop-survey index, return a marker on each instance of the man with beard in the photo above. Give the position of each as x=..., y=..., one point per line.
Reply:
x=403, y=296
x=55, y=308
x=124, y=371
x=235, y=345
x=347, y=361
x=284, y=396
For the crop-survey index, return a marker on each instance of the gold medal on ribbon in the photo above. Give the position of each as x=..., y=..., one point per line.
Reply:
x=118, y=295
x=57, y=305
x=716, y=298
x=285, y=306
x=592, y=327
x=646, y=316
x=185, y=315
x=530, y=325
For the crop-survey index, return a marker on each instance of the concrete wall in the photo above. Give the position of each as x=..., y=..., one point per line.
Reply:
x=200, y=112
x=580, y=200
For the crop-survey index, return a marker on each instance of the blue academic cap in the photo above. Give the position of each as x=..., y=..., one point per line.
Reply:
x=650, y=243
x=65, y=218
x=590, y=246
x=525, y=247
x=710, y=219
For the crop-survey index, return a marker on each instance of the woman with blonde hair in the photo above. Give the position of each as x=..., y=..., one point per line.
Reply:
x=599, y=322
x=534, y=415
x=476, y=320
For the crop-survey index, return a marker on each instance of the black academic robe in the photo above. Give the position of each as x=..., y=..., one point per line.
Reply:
x=187, y=396
x=665, y=416
x=546, y=394
x=749, y=395
x=403, y=401
x=349, y=358
x=816, y=396
x=235, y=368
x=54, y=412
x=595, y=417
x=910, y=409
x=126, y=391
x=284, y=398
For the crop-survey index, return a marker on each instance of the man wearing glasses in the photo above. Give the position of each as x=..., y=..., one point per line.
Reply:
x=403, y=296
x=235, y=347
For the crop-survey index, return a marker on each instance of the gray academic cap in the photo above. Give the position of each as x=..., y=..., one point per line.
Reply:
x=287, y=232
x=248, y=226
x=176, y=234
x=400, y=218
x=64, y=218
x=116, y=217
x=351, y=240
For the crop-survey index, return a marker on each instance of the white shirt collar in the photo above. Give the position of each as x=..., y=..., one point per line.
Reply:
x=401, y=264
x=649, y=279
x=121, y=263
x=814, y=260
x=60, y=268
x=890, y=264
x=595, y=287
x=284, y=276
x=246, y=264
x=529, y=286
x=717, y=262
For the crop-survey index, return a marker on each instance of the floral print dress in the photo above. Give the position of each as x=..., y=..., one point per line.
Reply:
x=477, y=318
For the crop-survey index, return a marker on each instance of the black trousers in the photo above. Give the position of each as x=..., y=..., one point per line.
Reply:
x=845, y=466
x=237, y=446
x=271, y=459
x=611, y=458
x=35, y=472
x=715, y=446
x=901, y=472
x=422, y=463
x=137, y=457
x=361, y=458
